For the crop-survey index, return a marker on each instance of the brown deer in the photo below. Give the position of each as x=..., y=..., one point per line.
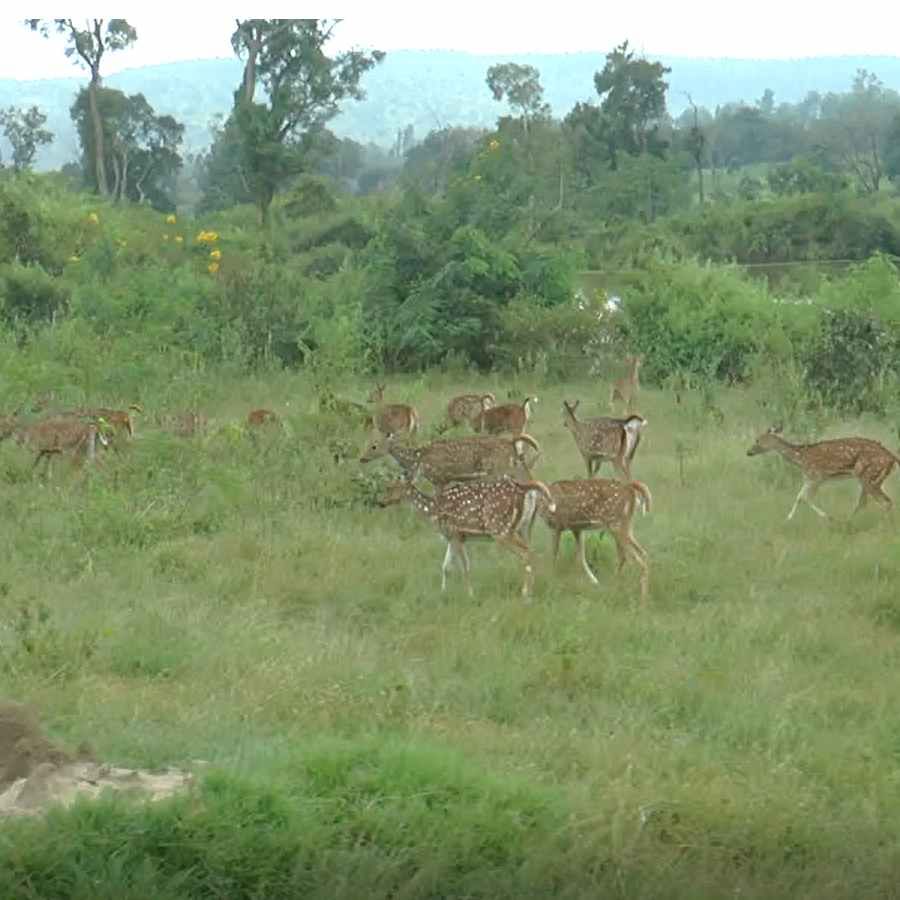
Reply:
x=118, y=419
x=259, y=417
x=626, y=389
x=511, y=417
x=869, y=462
x=58, y=435
x=460, y=459
x=393, y=418
x=466, y=407
x=497, y=509
x=603, y=438
x=185, y=424
x=602, y=503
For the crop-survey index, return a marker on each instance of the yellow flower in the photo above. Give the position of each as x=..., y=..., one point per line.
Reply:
x=216, y=254
x=207, y=237
x=494, y=144
x=178, y=238
x=170, y=219
x=212, y=268
x=165, y=237
x=93, y=218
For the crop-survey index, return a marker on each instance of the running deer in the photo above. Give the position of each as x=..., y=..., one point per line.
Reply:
x=626, y=389
x=602, y=503
x=512, y=417
x=62, y=434
x=459, y=459
x=869, y=462
x=602, y=439
x=466, y=407
x=393, y=418
x=495, y=509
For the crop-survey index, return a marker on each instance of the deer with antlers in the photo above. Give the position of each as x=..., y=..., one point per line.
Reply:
x=58, y=435
x=511, y=417
x=593, y=504
x=393, y=418
x=869, y=462
x=601, y=439
x=460, y=459
x=626, y=389
x=466, y=407
x=487, y=509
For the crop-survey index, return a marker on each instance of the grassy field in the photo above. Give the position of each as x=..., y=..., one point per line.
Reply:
x=238, y=600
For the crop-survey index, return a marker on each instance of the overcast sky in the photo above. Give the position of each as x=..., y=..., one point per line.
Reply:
x=765, y=29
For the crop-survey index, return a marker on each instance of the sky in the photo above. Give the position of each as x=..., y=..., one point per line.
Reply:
x=698, y=28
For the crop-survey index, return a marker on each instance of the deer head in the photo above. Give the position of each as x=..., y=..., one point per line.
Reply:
x=768, y=440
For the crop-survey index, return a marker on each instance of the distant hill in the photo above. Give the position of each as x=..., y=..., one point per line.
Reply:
x=429, y=89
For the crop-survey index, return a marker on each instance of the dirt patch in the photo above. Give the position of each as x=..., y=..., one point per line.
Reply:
x=35, y=773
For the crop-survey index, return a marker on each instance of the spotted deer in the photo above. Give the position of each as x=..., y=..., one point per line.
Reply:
x=485, y=509
x=185, y=424
x=599, y=504
x=626, y=389
x=511, y=417
x=601, y=439
x=869, y=462
x=393, y=418
x=458, y=459
x=118, y=419
x=466, y=407
x=61, y=434
x=259, y=417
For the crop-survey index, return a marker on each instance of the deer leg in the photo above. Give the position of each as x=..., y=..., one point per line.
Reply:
x=448, y=561
x=579, y=538
x=515, y=543
x=806, y=494
x=621, y=465
x=463, y=555
x=557, y=534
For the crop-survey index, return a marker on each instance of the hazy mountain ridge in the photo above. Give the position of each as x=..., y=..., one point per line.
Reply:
x=430, y=89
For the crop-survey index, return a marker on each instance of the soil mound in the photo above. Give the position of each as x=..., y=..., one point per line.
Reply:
x=35, y=773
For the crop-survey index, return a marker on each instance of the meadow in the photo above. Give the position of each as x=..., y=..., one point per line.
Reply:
x=238, y=599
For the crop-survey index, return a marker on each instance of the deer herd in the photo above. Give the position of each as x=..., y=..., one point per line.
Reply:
x=483, y=486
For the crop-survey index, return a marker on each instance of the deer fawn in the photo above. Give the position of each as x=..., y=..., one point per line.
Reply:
x=512, y=417
x=56, y=436
x=466, y=407
x=258, y=417
x=626, y=389
x=604, y=439
x=460, y=459
x=866, y=460
x=497, y=509
x=391, y=418
x=587, y=505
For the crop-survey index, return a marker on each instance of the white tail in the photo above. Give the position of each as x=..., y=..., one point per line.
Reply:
x=869, y=462
x=512, y=417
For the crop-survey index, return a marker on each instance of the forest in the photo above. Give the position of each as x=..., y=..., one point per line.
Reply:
x=209, y=570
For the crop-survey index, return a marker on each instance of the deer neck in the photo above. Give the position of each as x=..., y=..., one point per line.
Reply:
x=791, y=452
x=422, y=503
x=408, y=458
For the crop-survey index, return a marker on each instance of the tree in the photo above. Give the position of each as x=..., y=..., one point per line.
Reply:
x=141, y=149
x=303, y=89
x=633, y=100
x=25, y=132
x=695, y=144
x=88, y=45
x=521, y=86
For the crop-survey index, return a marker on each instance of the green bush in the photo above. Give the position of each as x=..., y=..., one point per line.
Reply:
x=28, y=294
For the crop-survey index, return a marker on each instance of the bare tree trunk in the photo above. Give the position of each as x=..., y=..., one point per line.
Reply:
x=99, y=158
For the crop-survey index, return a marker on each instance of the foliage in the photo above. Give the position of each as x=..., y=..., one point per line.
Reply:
x=25, y=132
x=521, y=86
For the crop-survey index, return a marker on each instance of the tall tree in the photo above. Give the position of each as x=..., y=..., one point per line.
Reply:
x=88, y=44
x=25, y=132
x=633, y=100
x=302, y=87
x=521, y=86
x=695, y=144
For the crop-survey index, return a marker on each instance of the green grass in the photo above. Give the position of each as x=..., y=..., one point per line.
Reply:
x=239, y=602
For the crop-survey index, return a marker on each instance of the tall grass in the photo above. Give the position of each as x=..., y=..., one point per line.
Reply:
x=236, y=599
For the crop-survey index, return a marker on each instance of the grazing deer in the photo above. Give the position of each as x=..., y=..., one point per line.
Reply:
x=602, y=503
x=186, y=424
x=466, y=407
x=63, y=434
x=626, y=389
x=460, y=459
x=393, y=418
x=259, y=417
x=511, y=417
x=496, y=509
x=866, y=460
x=602, y=439
x=118, y=419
